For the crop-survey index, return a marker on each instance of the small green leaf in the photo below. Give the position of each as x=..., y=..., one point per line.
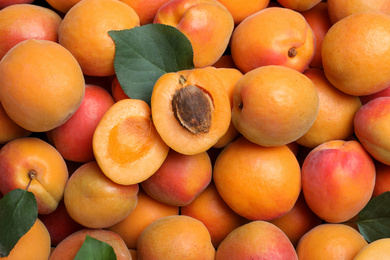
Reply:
x=95, y=249
x=374, y=218
x=18, y=213
x=145, y=53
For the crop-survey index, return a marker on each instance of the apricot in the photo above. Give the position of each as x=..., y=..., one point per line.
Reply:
x=145, y=212
x=256, y=240
x=191, y=110
x=299, y=5
x=214, y=213
x=180, y=179
x=318, y=19
x=175, y=237
x=32, y=163
x=84, y=28
x=330, y=241
x=207, y=24
x=371, y=124
x=338, y=179
x=146, y=9
x=356, y=53
x=298, y=221
x=265, y=39
x=10, y=130
x=382, y=178
x=378, y=249
x=336, y=113
x=34, y=245
x=126, y=145
x=26, y=21
x=68, y=248
x=78, y=147
x=258, y=183
x=95, y=201
x=241, y=10
x=339, y=9
x=41, y=84
x=274, y=105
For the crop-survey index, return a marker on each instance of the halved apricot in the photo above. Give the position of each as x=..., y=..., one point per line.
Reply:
x=126, y=144
x=190, y=109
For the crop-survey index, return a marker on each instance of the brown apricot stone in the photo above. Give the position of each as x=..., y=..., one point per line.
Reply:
x=190, y=110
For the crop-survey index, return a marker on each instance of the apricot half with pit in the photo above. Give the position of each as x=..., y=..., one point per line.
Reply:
x=190, y=110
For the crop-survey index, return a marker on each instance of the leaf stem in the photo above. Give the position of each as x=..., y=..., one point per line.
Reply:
x=32, y=174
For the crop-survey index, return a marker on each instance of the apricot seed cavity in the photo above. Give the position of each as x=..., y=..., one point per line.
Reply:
x=193, y=108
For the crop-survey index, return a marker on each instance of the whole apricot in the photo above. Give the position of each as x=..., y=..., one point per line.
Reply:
x=356, y=53
x=258, y=183
x=68, y=248
x=371, y=125
x=264, y=39
x=207, y=24
x=338, y=179
x=175, y=237
x=84, y=32
x=41, y=84
x=32, y=163
x=180, y=178
x=274, y=105
x=34, y=245
x=95, y=201
x=256, y=240
x=330, y=241
x=27, y=21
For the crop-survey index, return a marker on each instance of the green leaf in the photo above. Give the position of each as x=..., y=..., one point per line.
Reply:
x=374, y=218
x=95, y=249
x=145, y=53
x=18, y=213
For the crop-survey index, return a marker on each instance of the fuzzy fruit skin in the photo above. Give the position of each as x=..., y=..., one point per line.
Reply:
x=206, y=23
x=372, y=126
x=338, y=179
x=21, y=156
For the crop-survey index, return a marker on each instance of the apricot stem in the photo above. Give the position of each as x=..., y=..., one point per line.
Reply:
x=32, y=174
x=292, y=53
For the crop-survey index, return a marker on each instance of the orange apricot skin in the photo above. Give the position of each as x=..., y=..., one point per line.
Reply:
x=171, y=131
x=78, y=147
x=206, y=23
x=23, y=155
x=145, y=212
x=68, y=248
x=263, y=39
x=35, y=244
x=94, y=201
x=26, y=21
x=126, y=145
x=256, y=240
x=338, y=179
x=180, y=179
x=371, y=125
